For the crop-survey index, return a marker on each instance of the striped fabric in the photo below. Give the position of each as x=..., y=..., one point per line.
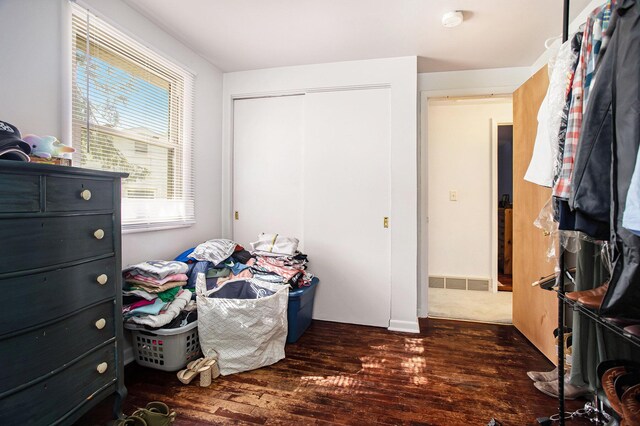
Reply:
x=596, y=23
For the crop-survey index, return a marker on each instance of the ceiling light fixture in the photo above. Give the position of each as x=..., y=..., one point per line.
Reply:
x=452, y=19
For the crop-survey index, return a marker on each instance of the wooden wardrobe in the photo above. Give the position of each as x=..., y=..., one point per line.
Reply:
x=534, y=310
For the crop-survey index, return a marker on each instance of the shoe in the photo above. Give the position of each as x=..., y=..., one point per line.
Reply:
x=568, y=348
x=156, y=414
x=187, y=375
x=591, y=302
x=633, y=330
x=600, y=290
x=610, y=363
x=631, y=406
x=543, y=376
x=625, y=382
x=621, y=322
x=571, y=392
x=130, y=421
x=608, y=385
x=208, y=369
x=196, y=367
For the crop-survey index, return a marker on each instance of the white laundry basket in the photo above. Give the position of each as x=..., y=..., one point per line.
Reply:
x=165, y=349
x=244, y=333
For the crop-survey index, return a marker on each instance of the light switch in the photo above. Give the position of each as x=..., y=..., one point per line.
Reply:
x=453, y=195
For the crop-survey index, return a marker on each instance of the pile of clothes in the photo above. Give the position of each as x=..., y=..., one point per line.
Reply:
x=158, y=293
x=274, y=258
x=154, y=295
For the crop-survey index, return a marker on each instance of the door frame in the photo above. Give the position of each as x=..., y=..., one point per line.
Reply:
x=423, y=162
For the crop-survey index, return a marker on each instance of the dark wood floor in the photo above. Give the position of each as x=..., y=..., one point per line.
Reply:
x=505, y=282
x=453, y=373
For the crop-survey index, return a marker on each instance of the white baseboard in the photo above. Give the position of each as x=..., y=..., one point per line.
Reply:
x=404, y=326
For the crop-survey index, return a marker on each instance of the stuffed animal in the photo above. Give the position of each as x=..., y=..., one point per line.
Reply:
x=47, y=146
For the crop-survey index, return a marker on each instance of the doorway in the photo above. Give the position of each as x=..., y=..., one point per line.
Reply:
x=505, y=206
x=462, y=203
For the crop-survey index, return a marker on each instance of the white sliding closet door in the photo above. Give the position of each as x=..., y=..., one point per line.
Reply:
x=267, y=169
x=346, y=197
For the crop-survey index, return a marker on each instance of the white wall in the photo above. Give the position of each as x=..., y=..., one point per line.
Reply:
x=400, y=74
x=473, y=82
x=460, y=159
x=452, y=83
x=35, y=84
x=574, y=25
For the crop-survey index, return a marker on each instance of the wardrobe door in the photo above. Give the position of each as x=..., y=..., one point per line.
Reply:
x=267, y=180
x=346, y=198
x=535, y=311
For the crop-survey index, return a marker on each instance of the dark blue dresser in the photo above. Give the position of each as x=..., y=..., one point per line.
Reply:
x=60, y=281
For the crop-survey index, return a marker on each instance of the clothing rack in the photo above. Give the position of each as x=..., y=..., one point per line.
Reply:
x=564, y=302
x=592, y=315
x=561, y=265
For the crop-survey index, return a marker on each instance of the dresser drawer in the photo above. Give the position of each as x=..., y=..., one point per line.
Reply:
x=47, y=401
x=19, y=193
x=40, y=351
x=78, y=194
x=36, y=299
x=40, y=242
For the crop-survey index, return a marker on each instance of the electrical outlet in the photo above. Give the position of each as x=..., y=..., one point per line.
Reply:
x=453, y=195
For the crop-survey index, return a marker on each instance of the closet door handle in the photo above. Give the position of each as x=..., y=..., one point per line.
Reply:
x=102, y=367
x=102, y=279
x=99, y=234
x=101, y=323
x=85, y=195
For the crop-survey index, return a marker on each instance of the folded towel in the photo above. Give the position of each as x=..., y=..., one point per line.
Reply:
x=155, y=281
x=158, y=269
x=214, y=251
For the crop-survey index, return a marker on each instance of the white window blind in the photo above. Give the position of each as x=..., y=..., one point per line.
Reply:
x=132, y=113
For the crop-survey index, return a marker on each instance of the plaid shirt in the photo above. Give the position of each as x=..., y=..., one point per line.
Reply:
x=576, y=43
x=598, y=20
x=600, y=26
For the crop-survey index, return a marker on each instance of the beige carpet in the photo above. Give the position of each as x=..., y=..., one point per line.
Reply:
x=481, y=306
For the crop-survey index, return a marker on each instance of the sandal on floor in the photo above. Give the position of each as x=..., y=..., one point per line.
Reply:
x=131, y=421
x=201, y=363
x=156, y=414
x=187, y=375
x=198, y=366
x=208, y=369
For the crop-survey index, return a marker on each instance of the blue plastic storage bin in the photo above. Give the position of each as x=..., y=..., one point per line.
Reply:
x=300, y=310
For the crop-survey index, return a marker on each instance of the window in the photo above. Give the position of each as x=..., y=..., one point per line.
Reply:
x=132, y=113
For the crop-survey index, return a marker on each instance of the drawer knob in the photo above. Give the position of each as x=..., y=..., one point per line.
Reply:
x=102, y=279
x=85, y=195
x=99, y=234
x=101, y=323
x=102, y=367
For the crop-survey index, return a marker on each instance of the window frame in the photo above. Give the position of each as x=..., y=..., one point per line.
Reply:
x=180, y=114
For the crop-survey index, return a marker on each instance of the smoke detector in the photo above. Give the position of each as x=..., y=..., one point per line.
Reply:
x=452, y=19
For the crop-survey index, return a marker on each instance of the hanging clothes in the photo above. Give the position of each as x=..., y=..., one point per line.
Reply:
x=600, y=39
x=631, y=217
x=580, y=89
x=623, y=296
x=541, y=170
x=587, y=336
x=590, y=194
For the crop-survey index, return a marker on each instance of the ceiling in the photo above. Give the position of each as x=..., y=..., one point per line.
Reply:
x=240, y=35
